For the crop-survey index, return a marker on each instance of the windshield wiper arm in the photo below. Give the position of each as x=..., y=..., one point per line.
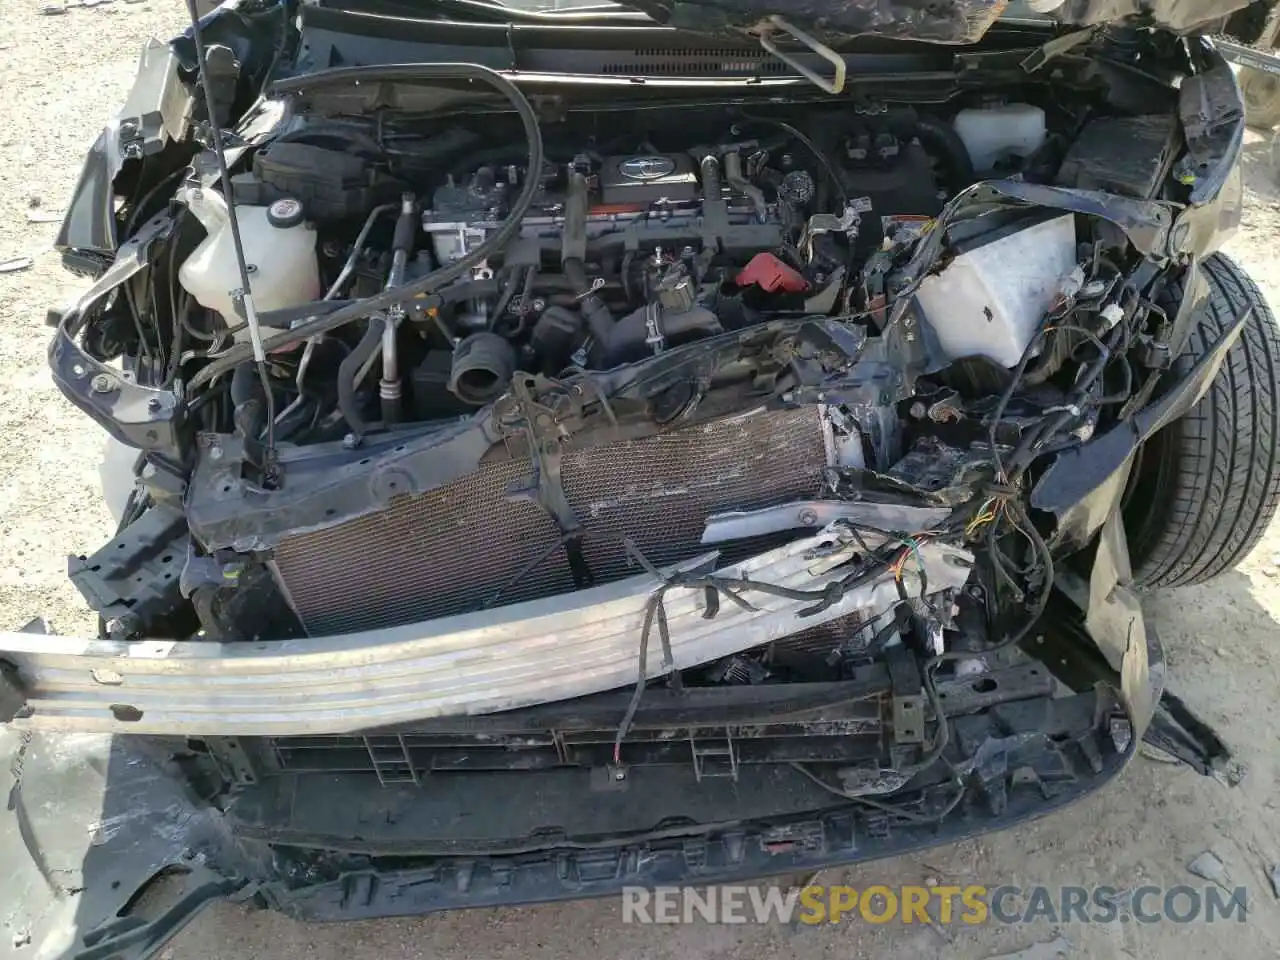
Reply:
x=491, y=10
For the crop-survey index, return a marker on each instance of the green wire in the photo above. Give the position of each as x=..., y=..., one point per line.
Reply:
x=914, y=546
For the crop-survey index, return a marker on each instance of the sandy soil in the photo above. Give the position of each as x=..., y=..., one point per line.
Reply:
x=64, y=75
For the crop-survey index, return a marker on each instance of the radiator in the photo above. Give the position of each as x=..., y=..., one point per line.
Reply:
x=471, y=543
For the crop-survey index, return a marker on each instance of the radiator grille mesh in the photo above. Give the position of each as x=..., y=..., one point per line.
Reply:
x=821, y=640
x=453, y=549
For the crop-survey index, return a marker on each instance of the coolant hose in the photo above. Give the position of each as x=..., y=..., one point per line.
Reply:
x=244, y=384
x=593, y=309
x=628, y=336
x=495, y=243
x=247, y=400
x=349, y=369
x=710, y=168
x=939, y=137
x=733, y=176
x=573, y=251
x=249, y=407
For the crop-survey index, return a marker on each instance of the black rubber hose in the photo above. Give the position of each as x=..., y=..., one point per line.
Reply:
x=939, y=137
x=628, y=334
x=599, y=317
x=709, y=167
x=247, y=404
x=573, y=232
x=483, y=365
x=573, y=248
x=350, y=367
x=437, y=278
x=244, y=384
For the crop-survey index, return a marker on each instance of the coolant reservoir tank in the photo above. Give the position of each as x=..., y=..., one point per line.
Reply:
x=998, y=135
x=279, y=249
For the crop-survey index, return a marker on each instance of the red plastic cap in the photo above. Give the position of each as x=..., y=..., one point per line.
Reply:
x=771, y=275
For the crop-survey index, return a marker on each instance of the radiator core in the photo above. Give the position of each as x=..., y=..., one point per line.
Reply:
x=460, y=546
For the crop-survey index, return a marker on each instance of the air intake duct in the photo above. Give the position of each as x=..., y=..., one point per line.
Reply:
x=483, y=365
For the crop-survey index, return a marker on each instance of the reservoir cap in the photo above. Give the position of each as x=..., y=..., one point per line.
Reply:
x=286, y=212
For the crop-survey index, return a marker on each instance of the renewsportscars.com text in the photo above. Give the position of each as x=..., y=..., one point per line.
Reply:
x=972, y=904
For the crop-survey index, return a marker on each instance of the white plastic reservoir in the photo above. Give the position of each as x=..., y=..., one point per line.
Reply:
x=993, y=135
x=990, y=300
x=279, y=249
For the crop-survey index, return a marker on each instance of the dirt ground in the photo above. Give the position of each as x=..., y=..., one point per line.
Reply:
x=64, y=75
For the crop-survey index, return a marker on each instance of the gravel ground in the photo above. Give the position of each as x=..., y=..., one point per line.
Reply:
x=65, y=74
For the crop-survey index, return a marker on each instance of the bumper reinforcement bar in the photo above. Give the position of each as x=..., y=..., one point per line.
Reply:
x=528, y=653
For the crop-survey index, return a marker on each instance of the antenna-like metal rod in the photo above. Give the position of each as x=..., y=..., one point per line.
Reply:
x=250, y=311
x=389, y=388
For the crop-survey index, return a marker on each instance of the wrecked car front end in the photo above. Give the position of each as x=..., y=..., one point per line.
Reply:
x=534, y=498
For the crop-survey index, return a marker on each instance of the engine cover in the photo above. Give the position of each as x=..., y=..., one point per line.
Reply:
x=648, y=178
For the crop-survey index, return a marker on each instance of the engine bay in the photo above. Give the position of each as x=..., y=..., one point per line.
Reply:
x=510, y=355
x=635, y=242
x=555, y=452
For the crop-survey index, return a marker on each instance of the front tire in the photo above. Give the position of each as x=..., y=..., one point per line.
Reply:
x=1207, y=486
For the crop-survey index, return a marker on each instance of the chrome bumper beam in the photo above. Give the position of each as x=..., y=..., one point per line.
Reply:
x=520, y=655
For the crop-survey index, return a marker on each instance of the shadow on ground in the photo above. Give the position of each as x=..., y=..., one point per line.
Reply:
x=1261, y=172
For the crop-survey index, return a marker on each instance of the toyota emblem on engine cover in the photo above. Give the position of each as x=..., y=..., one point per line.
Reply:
x=646, y=168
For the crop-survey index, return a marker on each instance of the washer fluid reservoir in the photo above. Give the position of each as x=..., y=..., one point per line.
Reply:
x=279, y=250
x=1000, y=135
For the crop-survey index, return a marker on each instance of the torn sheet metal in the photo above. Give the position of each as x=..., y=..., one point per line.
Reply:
x=889, y=517
x=1114, y=619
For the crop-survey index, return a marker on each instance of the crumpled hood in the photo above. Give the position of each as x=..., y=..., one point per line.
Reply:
x=938, y=21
